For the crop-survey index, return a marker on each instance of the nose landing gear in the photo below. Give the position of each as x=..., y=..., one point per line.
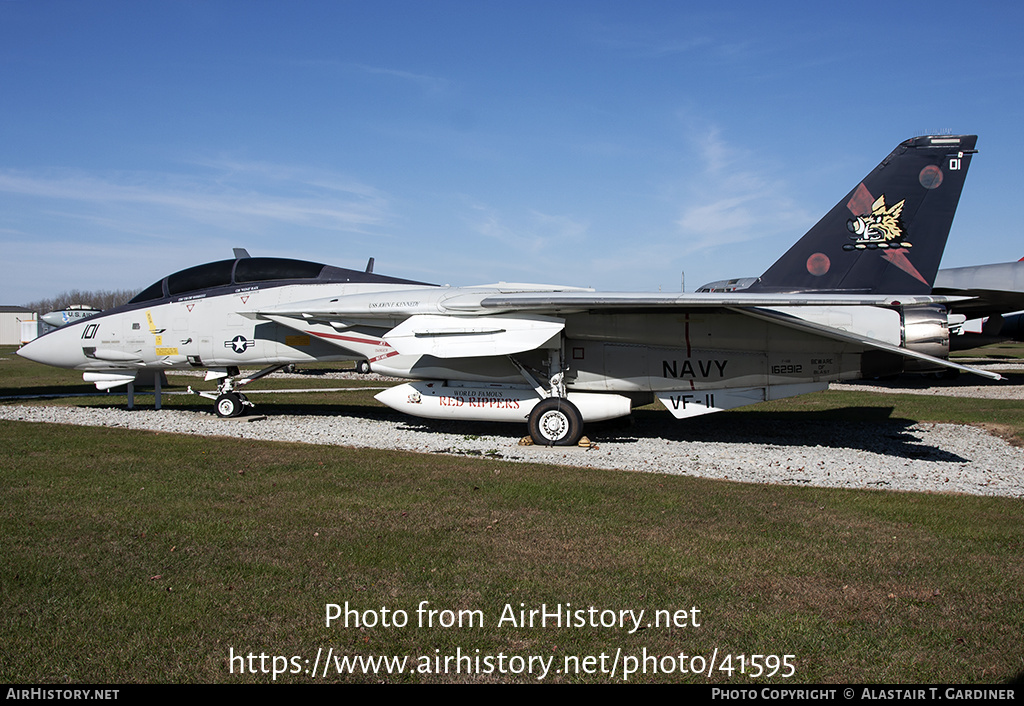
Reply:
x=231, y=404
x=226, y=402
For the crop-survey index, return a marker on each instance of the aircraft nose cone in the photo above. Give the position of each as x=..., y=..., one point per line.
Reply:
x=53, y=349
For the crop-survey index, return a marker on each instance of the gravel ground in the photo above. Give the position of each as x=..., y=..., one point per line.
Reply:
x=964, y=386
x=886, y=454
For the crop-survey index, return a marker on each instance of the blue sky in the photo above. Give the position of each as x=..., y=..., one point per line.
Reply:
x=604, y=144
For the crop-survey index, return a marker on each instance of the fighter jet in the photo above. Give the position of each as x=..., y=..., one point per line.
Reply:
x=995, y=307
x=74, y=312
x=557, y=357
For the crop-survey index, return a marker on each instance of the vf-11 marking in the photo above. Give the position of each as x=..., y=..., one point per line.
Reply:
x=680, y=401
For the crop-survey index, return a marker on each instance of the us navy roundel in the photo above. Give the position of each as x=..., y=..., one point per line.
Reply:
x=239, y=344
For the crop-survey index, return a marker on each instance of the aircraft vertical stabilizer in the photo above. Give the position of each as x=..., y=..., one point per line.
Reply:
x=886, y=235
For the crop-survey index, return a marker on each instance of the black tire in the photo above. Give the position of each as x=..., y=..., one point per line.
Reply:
x=555, y=422
x=229, y=405
x=363, y=366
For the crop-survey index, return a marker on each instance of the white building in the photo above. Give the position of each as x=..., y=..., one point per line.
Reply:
x=11, y=328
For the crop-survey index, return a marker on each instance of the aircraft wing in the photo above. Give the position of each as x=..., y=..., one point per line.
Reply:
x=555, y=302
x=478, y=322
x=757, y=306
x=475, y=301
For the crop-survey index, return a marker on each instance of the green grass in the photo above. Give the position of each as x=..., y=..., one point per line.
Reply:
x=19, y=376
x=147, y=557
x=1009, y=351
x=138, y=556
x=1003, y=417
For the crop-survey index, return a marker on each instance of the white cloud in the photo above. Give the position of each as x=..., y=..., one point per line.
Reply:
x=732, y=199
x=534, y=232
x=233, y=197
x=73, y=229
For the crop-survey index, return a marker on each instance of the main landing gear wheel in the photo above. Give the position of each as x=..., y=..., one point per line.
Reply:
x=363, y=366
x=229, y=404
x=555, y=421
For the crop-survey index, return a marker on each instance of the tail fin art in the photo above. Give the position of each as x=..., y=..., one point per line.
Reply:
x=888, y=234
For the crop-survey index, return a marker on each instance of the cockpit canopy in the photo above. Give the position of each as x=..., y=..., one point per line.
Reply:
x=227, y=272
x=250, y=270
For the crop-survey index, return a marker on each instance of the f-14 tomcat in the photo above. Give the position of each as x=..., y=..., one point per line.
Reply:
x=851, y=299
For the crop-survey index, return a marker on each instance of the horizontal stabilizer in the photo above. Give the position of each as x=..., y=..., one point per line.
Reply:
x=837, y=335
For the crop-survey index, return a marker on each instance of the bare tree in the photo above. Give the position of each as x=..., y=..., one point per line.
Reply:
x=98, y=299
